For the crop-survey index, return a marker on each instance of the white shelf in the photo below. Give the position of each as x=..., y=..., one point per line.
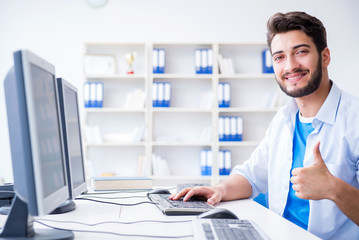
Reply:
x=115, y=144
x=181, y=144
x=248, y=110
x=113, y=110
x=116, y=77
x=239, y=144
x=181, y=110
x=247, y=76
x=183, y=76
x=175, y=133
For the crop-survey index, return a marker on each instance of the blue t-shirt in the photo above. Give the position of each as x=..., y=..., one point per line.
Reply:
x=297, y=209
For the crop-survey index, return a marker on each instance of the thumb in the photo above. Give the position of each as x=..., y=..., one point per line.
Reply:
x=318, y=160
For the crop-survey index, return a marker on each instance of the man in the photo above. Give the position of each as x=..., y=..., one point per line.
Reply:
x=308, y=161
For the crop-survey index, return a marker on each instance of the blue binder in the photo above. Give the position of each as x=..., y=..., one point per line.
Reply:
x=267, y=63
x=159, y=60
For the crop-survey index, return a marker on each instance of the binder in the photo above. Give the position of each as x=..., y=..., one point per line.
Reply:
x=160, y=92
x=197, y=60
x=220, y=95
x=233, y=129
x=204, y=61
x=99, y=95
x=227, y=129
x=210, y=61
x=267, y=63
x=161, y=60
x=226, y=94
x=203, y=161
x=167, y=94
x=221, y=162
x=93, y=94
x=221, y=128
x=209, y=162
x=155, y=94
x=87, y=94
x=155, y=60
x=227, y=162
x=239, y=129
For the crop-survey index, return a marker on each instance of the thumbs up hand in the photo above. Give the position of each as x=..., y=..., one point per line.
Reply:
x=313, y=182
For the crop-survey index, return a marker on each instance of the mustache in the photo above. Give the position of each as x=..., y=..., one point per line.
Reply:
x=299, y=70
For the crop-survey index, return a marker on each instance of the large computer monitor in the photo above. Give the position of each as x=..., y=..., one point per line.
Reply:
x=37, y=152
x=71, y=132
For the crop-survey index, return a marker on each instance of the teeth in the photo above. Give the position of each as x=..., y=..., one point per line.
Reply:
x=294, y=78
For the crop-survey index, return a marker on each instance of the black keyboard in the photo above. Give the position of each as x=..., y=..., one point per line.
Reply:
x=179, y=207
x=226, y=229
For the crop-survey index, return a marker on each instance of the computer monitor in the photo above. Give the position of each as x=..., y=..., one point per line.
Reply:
x=37, y=153
x=71, y=132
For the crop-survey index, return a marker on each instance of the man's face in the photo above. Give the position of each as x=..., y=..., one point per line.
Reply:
x=296, y=62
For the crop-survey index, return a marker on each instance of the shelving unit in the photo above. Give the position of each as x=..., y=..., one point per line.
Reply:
x=190, y=124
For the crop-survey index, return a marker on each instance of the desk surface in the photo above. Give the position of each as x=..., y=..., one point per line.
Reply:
x=89, y=212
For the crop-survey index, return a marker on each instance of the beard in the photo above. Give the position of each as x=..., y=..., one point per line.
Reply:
x=312, y=85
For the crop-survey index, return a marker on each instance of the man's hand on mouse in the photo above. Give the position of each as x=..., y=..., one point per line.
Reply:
x=313, y=182
x=210, y=193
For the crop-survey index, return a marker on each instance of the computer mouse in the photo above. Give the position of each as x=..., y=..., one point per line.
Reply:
x=158, y=191
x=218, y=213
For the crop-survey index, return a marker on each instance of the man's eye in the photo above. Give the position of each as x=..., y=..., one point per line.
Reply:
x=302, y=51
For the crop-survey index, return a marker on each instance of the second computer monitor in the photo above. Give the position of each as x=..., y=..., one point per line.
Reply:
x=70, y=118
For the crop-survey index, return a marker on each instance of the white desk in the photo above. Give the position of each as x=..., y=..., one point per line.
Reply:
x=273, y=225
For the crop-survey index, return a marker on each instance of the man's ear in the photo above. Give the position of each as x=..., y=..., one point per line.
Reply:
x=325, y=57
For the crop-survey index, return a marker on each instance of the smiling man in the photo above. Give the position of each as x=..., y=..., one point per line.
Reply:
x=308, y=161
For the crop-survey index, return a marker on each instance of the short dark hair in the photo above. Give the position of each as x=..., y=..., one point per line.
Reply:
x=311, y=26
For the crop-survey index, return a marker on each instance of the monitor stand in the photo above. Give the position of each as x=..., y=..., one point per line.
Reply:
x=67, y=206
x=19, y=225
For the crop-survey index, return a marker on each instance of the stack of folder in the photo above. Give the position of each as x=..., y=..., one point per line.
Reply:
x=161, y=94
x=159, y=60
x=93, y=94
x=203, y=59
x=230, y=128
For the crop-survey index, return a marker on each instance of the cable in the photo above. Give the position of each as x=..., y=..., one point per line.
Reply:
x=113, y=233
x=118, y=204
x=112, y=222
x=115, y=197
x=114, y=192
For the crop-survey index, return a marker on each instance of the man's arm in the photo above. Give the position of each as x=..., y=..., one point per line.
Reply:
x=316, y=182
x=346, y=197
x=235, y=187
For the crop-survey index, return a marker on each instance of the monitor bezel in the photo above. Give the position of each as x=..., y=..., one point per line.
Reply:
x=45, y=204
x=62, y=85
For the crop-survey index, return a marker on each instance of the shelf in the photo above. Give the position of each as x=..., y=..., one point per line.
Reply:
x=178, y=133
x=181, y=110
x=246, y=76
x=182, y=76
x=180, y=144
x=247, y=110
x=113, y=110
x=115, y=144
x=239, y=144
x=115, y=77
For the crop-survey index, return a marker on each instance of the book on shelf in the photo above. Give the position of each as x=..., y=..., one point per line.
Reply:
x=121, y=183
x=225, y=65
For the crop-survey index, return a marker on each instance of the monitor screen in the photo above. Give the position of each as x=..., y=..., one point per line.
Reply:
x=48, y=133
x=72, y=136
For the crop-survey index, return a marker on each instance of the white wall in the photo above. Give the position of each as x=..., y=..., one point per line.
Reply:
x=56, y=30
